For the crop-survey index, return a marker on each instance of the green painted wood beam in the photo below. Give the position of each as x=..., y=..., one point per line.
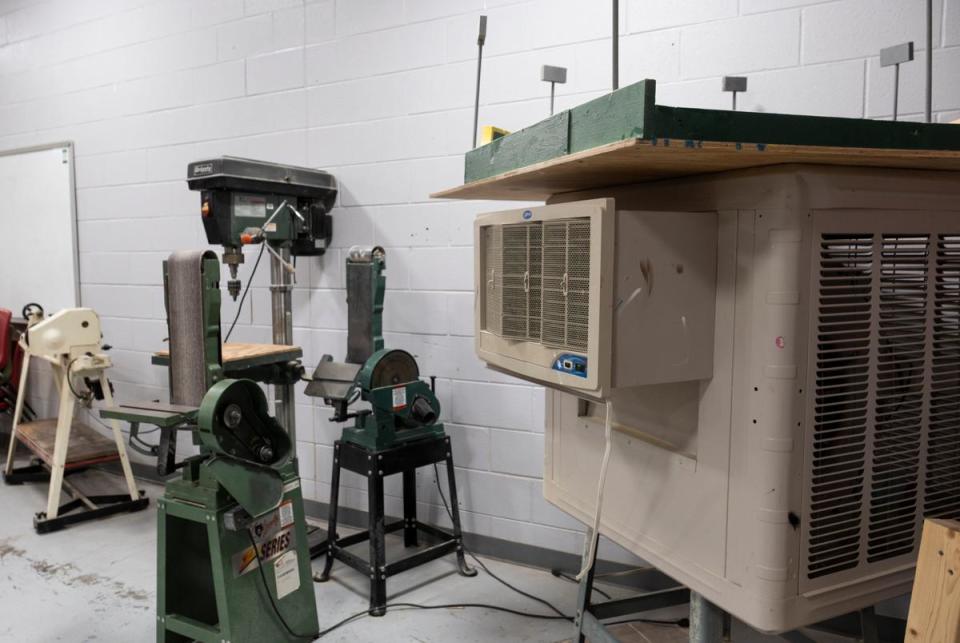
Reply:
x=616, y=116
x=631, y=112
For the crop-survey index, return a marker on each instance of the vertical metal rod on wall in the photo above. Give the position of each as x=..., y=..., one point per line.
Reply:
x=928, y=104
x=896, y=88
x=481, y=38
x=616, y=44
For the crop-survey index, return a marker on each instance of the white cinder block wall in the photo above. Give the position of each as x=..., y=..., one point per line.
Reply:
x=379, y=92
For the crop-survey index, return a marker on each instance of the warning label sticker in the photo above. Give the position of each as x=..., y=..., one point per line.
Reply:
x=287, y=574
x=399, y=397
x=286, y=514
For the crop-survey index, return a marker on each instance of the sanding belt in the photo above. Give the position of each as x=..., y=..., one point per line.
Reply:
x=359, y=312
x=188, y=368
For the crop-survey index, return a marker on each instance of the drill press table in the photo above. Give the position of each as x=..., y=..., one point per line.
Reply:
x=238, y=356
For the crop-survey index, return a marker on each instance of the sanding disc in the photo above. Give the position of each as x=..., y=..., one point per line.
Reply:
x=396, y=367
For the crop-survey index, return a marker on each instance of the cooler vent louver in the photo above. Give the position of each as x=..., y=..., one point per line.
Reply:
x=941, y=499
x=537, y=278
x=886, y=425
x=843, y=348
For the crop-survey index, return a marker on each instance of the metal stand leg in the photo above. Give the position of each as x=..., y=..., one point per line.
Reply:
x=706, y=620
x=17, y=414
x=61, y=442
x=586, y=589
x=118, y=439
x=378, y=554
x=332, y=516
x=868, y=625
x=465, y=569
x=410, y=508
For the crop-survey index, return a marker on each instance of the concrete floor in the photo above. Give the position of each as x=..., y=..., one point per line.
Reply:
x=96, y=582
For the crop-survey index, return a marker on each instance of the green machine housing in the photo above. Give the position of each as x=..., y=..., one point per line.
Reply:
x=402, y=407
x=232, y=553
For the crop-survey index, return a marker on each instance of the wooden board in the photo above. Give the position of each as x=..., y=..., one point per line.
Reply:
x=638, y=160
x=935, y=604
x=237, y=353
x=86, y=445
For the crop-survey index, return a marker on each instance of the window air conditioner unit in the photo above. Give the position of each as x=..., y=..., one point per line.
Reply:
x=781, y=351
x=586, y=298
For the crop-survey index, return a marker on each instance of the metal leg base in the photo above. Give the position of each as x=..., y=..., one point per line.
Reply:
x=404, y=459
x=35, y=472
x=70, y=512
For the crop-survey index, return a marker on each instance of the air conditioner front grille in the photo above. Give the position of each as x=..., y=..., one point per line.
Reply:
x=522, y=258
x=886, y=399
x=491, y=240
x=537, y=278
x=566, y=283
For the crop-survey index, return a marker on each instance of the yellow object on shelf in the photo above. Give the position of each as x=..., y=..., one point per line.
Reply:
x=490, y=133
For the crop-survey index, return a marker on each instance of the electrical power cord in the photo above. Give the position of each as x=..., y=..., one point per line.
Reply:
x=590, y=545
x=562, y=575
x=276, y=609
x=404, y=605
x=82, y=398
x=683, y=622
x=246, y=289
x=479, y=562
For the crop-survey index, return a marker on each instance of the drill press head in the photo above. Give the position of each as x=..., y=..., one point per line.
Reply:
x=243, y=202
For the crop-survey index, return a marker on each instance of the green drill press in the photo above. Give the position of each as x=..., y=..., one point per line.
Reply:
x=233, y=556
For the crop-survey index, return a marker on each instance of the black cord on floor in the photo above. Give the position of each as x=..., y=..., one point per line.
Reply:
x=359, y=615
x=550, y=617
x=680, y=622
x=542, y=601
x=276, y=609
x=246, y=289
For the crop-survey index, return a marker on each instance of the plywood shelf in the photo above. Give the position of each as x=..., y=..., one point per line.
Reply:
x=638, y=161
x=87, y=447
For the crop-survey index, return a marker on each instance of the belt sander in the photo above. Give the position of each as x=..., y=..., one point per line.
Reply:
x=402, y=407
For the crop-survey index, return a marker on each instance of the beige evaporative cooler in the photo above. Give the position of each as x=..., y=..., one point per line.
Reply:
x=782, y=351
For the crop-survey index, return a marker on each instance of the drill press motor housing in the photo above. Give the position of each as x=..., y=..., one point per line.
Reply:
x=243, y=201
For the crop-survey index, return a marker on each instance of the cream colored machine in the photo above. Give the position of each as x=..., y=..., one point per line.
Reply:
x=781, y=348
x=70, y=342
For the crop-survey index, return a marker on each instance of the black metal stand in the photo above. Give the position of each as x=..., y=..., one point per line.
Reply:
x=70, y=512
x=376, y=465
x=78, y=509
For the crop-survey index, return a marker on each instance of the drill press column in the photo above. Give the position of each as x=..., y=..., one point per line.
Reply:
x=281, y=283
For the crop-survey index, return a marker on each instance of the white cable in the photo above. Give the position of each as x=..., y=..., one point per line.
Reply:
x=590, y=545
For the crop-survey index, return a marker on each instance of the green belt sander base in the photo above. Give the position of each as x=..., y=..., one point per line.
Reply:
x=232, y=556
